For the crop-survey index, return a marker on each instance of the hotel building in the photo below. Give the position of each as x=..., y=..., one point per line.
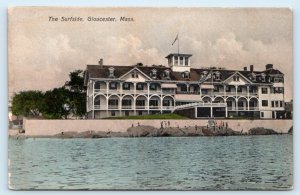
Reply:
x=193, y=92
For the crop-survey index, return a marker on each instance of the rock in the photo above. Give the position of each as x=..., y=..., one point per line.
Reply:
x=261, y=131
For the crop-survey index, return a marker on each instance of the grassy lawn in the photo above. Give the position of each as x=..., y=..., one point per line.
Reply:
x=155, y=116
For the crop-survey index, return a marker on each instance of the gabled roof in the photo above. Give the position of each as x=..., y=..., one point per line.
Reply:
x=97, y=71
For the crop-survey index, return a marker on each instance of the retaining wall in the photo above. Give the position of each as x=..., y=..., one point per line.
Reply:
x=35, y=127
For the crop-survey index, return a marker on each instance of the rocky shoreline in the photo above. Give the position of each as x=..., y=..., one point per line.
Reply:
x=150, y=131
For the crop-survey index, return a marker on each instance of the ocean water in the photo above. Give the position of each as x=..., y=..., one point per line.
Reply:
x=160, y=163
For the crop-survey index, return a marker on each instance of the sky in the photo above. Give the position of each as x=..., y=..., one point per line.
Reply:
x=43, y=52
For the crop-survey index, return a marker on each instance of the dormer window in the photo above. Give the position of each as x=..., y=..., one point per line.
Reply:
x=263, y=77
x=217, y=75
x=154, y=73
x=167, y=74
x=111, y=72
x=186, y=75
x=253, y=75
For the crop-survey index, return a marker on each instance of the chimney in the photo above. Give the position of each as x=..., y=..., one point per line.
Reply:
x=100, y=62
x=251, y=68
x=245, y=68
x=269, y=66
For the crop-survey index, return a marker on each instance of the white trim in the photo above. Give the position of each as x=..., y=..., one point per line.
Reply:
x=135, y=68
x=237, y=72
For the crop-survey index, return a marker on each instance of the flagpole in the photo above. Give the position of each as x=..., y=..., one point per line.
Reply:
x=178, y=43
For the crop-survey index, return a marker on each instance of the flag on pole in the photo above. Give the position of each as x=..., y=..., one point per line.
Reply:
x=175, y=39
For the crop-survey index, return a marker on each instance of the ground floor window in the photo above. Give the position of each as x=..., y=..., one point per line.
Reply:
x=140, y=113
x=140, y=102
x=113, y=113
x=262, y=114
x=153, y=102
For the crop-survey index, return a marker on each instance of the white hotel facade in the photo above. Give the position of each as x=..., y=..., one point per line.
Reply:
x=196, y=93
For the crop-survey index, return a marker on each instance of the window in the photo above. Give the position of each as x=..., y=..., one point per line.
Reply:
x=140, y=102
x=186, y=61
x=140, y=112
x=273, y=104
x=111, y=72
x=217, y=75
x=186, y=75
x=153, y=103
x=126, y=86
x=262, y=115
x=239, y=89
x=181, y=60
x=154, y=73
x=113, y=85
x=97, y=85
x=281, y=103
x=276, y=104
x=263, y=77
x=176, y=60
x=166, y=103
x=264, y=103
x=126, y=102
x=134, y=74
x=113, y=102
x=264, y=90
x=153, y=86
x=236, y=78
x=167, y=74
x=139, y=86
x=113, y=113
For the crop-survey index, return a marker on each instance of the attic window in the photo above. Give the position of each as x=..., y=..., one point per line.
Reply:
x=154, y=73
x=111, y=72
x=236, y=78
x=134, y=74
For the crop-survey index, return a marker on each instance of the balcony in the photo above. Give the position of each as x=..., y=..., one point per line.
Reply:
x=187, y=92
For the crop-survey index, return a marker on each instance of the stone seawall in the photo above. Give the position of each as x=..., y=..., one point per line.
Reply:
x=35, y=127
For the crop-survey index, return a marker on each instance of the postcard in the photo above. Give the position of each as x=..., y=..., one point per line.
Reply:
x=150, y=98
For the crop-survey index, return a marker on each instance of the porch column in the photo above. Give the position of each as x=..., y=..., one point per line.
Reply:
x=107, y=87
x=134, y=92
x=248, y=102
x=134, y=105
x=121, y=87
x=248, y=94
x=161, y=104
x=187, y=88
x=236, y=87
x=211, y=112
x=226, y=112
x=148, y=95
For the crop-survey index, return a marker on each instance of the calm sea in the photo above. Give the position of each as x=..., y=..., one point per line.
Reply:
x=177, y=163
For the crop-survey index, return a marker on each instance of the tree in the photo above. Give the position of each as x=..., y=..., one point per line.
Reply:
x=77, y=93
x=57, y=103
x=28, y=103
x=76, y=82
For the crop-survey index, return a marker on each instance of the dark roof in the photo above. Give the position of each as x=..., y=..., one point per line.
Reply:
x=98, y=71
x=180, y=54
